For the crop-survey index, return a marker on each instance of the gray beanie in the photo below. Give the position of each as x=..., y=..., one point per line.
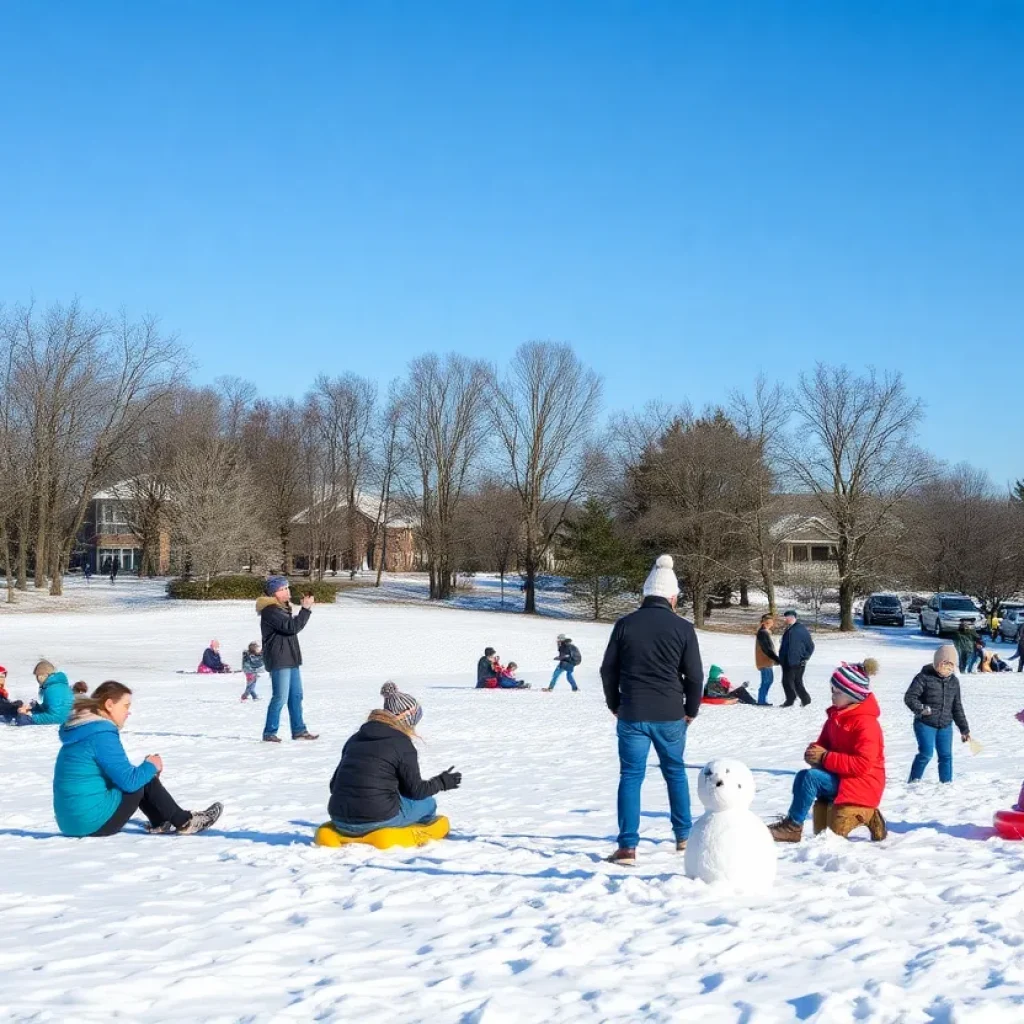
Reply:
x=401, y=705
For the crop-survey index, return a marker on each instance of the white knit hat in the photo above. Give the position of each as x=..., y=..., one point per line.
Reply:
x=662, y=580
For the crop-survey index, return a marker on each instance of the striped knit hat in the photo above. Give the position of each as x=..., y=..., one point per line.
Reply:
x=401, y=705
x=853, y=681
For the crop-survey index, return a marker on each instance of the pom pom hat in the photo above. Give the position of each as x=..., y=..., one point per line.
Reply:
x=662, y=580
x=853, y=681
x=402, y=705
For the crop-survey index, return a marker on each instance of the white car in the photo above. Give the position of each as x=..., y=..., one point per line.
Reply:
x=1011, y=622
x=944, y=613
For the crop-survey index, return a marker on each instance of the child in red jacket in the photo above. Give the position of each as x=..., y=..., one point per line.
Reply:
x=847, y=764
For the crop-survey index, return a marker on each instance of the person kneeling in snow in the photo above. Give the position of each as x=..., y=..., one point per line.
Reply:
x=96, y=789
x=55, y=698
x=487, y=670
x=377, y=784
x=847, y=764
x=718, y=687
x=212, y=663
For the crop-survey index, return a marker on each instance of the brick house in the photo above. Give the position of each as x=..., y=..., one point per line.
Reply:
x=107, y=534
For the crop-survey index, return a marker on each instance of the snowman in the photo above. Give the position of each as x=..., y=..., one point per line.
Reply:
x=730, y=843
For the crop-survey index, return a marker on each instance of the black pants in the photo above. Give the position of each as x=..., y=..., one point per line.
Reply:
x=155, y=803
x=793, y=684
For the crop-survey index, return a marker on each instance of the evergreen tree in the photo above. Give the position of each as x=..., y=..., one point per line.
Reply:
x=1017, y=491
x=599, y=562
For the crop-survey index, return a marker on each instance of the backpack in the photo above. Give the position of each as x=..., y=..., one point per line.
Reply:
x=574, y=654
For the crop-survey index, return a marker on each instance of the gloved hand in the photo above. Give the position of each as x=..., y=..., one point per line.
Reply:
x=450, y=779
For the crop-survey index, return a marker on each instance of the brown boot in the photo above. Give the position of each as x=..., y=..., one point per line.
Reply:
x=844, y=819
x=623, y=858
x=877, y=827
x=786, y=830
x=821, y=808
x=680, y=845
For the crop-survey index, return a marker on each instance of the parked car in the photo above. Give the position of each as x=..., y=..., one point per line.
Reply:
x=1011, y=622
x=944, y=613
x=883, y=610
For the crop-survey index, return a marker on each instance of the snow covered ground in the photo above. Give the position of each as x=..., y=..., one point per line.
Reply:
x=515, y=918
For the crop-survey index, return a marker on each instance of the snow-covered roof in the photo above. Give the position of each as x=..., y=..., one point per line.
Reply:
x=370, y=507
x=802, y=528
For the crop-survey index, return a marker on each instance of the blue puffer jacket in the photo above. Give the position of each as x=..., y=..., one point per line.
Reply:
x=91, y=773
x=55, y=700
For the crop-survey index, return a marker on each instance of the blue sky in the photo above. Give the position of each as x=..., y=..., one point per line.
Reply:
x=687, y=192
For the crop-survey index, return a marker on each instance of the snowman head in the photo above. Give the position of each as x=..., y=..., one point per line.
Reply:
x=725, y=785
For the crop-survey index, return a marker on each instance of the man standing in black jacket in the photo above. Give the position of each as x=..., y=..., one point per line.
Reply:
x=794, y=653
x=653, y=682
x=283, y=657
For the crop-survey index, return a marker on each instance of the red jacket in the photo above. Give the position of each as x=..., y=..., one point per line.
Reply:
x=856, y=752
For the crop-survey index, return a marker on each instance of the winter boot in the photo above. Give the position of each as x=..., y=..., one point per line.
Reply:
x=271, y=739
x=680, y=845
x=877, y=827
x=307, y=735
x=786, y=830
x=623, y=858
x=200, y=821
x=821, y=809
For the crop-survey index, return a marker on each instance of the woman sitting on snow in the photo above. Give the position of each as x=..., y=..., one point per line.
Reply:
x=212, y=662
x=719, y=688
x=847, y=764
x=377, y=784
x=96, y=789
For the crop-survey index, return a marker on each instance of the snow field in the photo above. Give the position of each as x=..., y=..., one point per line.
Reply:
x=515, y=917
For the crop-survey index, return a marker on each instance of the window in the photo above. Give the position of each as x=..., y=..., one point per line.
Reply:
x=821, y=553
x=958, y=604
x=799, y=553
x=128, y=559
x=112, y=518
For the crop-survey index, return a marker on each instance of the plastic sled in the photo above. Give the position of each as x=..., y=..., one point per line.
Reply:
x=1009, y=824
x=719, y=700
x=383, y=838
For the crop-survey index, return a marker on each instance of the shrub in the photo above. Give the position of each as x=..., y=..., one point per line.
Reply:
x=245, y=587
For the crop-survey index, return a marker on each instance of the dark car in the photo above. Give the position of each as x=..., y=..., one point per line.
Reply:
x=883, y=610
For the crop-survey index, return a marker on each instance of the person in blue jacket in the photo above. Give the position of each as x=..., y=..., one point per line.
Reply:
x=794, y=653
x=55, y=698
x=212, y=661
x=96, y=789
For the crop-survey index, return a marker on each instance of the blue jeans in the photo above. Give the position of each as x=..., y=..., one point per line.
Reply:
x=635, y=739
x=559, y=669
x=250, y=687
x=410, y=812
x=287, y=687
x=767, y=678
x=808, y=786
x=930, y=740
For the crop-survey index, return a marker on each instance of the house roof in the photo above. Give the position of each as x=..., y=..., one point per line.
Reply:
x=369, y=507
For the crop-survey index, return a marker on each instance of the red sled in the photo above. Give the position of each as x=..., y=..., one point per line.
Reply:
x=1009, y=824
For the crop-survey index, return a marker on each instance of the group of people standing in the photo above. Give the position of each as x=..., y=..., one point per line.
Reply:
x=793, y=654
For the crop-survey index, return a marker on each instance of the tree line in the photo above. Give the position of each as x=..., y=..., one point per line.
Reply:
x=501, y=469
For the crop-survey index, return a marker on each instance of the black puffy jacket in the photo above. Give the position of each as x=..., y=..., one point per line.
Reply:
x=280, y=632
x=940, y=696
x=378, y=764
x=652, y=670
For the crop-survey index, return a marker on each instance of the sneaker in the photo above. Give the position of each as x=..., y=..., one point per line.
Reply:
x=680, y=845
x=785, y=830
x=200, y=821
x=307, y=735
x=164, y=828
x=271, y=739
x=546, y=689
x=623, y=858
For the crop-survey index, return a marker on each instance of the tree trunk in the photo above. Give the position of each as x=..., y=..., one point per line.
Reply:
x=699, y=603
x=530, y=567
x=846, y=605
x=57, y=563
x=744, y=594
x=501, y=576
x=6, y=542
x=769, y=589
x=42, y=549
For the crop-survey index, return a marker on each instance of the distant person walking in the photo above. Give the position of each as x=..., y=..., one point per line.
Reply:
x=794, y=653
x=1019, y=653
x=653, y=682
x=765, y=657
x=283, y=656
x=568, y=658
x=115, y=568
x=963, y=641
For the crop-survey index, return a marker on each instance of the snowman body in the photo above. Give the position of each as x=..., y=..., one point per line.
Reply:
x=730, y=844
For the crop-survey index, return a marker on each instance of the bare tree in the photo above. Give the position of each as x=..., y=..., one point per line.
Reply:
x=210, y=509
x=854, y=451
x=491, y=529
x=444, y=431
x=761, y=419
x=813, y=584
x=391, y=455
x=543, y=414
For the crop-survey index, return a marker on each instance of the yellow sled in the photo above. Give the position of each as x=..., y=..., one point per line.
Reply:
x=410, y=835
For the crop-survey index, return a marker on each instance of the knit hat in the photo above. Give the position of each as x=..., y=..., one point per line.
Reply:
x=274, y=584
x=561, y=637
x=3, y=671
x=853, y=681
x=946, y=652
x=714, y=674
x=401, y=705
x=662, y=582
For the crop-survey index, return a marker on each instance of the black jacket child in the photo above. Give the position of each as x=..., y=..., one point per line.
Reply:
x=378, y=764
x=568, y=654
x=941, y=696
x=280, y=630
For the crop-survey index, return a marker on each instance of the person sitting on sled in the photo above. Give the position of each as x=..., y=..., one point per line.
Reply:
x=846, y=776
x=212, y=662
x=507, y=676
x=718, y=687
x=377, y=784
